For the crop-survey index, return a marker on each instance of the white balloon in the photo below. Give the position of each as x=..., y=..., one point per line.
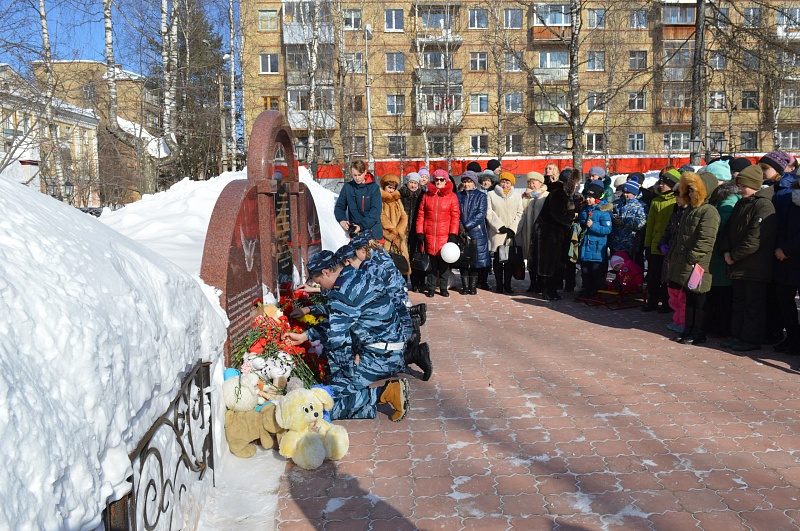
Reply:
x=450, y=252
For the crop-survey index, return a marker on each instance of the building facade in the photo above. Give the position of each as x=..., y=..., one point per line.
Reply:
x=444, y=82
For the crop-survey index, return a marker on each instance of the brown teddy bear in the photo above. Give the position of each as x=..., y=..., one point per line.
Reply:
x=244, y=427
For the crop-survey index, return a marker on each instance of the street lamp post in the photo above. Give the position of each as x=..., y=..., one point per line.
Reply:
x=367, y=38
x=301, y=152
x=695, y=145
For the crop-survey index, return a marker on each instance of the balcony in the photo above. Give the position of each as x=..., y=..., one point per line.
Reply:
x=790, y=33
x=552, y=75
x=546, y=117
x=439, y=76
x=302, y=79
x=677, y=74
x=670, y=115
x=299, y=33
x=438, y=38
x=550, y=33
x=439, y=118
x=677, y=32
x=320, y=119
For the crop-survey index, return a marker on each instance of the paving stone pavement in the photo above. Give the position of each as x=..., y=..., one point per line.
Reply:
x=557, y=415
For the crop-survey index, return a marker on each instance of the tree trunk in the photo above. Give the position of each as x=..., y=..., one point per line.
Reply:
x=55, y=145
x=698, y=86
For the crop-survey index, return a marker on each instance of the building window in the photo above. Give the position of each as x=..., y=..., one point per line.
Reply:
x=676, y=141
x=90, y=93
x=298, y=100
x=749, y=100
x=394, y=20
x=637, y=60
x=396, y=145
x=355, y=103
x=267, y=19
x=512, y=62
x=790, y=98
x=553, y=142
x=597, y=18
x=512, y=19
x=297, y=59
x=638, y=19
x=789, y=17
x=270, y=103
x=514, y=103
x=479, y=144
x=716, y=100
x=478, y=103
x=595, y=142
x=353, y=62
x=790, y=139
x=269, y=63
x=717, y=60
x=677, y=97
x=595, y=101
x=635, y=142
x=436, y=18
x=352, y=19
x=551, y=15
x=749, y=141
x=477, y=60
x=637, y=101
x=752, y=17
x=438, y=145
x=553, y=59
x=395, y=62
x=433, y=60
x=550, y=102
x=513, y=143
x=678, y=14
x=718, y=18
x=478, y=19
x=395, y=104
x=359, y=146
x=595, y=61
x=751, y=60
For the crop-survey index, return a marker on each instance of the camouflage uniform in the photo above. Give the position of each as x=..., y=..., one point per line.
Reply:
x=381, y=267
x=361, y=315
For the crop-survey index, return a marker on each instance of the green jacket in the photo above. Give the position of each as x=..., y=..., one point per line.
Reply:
x=719, y=269
x=657, y=220
x=694, y=243
x=750, y=237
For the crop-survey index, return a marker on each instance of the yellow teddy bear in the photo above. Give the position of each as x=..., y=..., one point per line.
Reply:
x=309, y=439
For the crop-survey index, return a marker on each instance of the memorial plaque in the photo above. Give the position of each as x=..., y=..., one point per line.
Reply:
x=283, y=235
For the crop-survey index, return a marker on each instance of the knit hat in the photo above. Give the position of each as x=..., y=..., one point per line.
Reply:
x=636, y=176
x=474, y=166
x=413, y=177
x=751, y=177
x=686, y=167
x=469, y=175
x=671, y=177
x=616, y=260
x=593, y=189
x=739, y=163
x=721, y=169
x=423, y=171
x=390, y=178
x=508, y=176
x=493, y=164
x=361, y=239
x=777, y=160
x=318, y=262
x=632, y=187
x=535, y=176
x=440, y=173
x=597, y=170
x=343, y=253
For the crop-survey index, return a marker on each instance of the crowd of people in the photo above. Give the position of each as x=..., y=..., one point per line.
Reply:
x=717, y=247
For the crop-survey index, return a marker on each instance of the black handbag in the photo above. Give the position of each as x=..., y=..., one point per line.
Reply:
x=469, y=250
x=421, y=262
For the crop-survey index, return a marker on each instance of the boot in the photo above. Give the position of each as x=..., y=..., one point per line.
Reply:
x=421, y=357
x=507, y=276
x=498, y=275
x=415, y=333
x=698, y=334
x=443, y=278
x=396, y=394
x=464, y=284
x=686, y=337
x=420, y=311
x=483, y=279
x=473, y=284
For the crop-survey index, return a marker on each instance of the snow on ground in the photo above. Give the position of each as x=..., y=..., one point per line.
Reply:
x=96, y=333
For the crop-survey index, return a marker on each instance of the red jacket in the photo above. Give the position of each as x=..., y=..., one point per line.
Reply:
x=438, y=216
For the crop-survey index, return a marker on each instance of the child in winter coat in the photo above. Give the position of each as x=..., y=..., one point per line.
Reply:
x=677, y=297
x=629, y=276
x=595, y=222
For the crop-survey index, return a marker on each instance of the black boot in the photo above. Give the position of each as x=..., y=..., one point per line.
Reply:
x=483, y=279
x=464, y=284
x=507, y=276
x=698, y=332
x=498, y=278
x=686, y=337
x=420, y=311
x=473, y=284
x=415, y=333
x=421, y=357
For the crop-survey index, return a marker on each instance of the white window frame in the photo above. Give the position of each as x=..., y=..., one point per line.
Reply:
x=546, y=59
x=478, y=144
x=746, y=98
x=267, y=19
x=595, y=142
x=273, y=61
x=395, y=104
x=440, y=144
x=596, y=101
x=399, y=141
x=547, y=143
x=430, y=18
x=427, y=63
x=478, y=102
x=298, y=100
x=790, y=97
x=637, y=101
x=476, y=21
x=747, y=136
x=678, y=14
x=636, y=142
x=596, y=18
x=595, y=61
x=681, y=139
x=638, y=19
x=751, y=17
x=359, y=145
x=634, y=60
x=478, y=60
x=790, y=140
x=515, y=143
x=512, y=62
x=717, y=60
x=391, y=66
x=351, y=19
x=717, y=100
x=513, y=103
x=552, y=15
x=390, y=19
x=353, y=62
x=510, y=20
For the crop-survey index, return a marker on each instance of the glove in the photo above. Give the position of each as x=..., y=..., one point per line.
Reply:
x=508, y=232
x=453, y=238
x=664, y=249
x=421, y=241
x=503, y=230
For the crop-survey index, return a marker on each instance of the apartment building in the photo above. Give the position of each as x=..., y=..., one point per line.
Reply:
x=447, y=82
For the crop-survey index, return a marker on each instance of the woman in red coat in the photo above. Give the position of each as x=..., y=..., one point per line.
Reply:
x=437, y=224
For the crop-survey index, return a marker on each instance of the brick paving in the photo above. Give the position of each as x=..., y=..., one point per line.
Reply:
x=562, y=416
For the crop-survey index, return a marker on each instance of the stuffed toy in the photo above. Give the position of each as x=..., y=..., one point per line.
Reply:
x=244, y=427
x=240, y=392
x=309, y=438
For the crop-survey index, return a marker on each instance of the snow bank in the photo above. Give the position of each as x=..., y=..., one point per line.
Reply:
x=333, y=235
x=96, y=333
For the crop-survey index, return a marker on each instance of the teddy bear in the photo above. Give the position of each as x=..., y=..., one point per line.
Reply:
x=309, y=439
x=244, y=427
x=240, y=391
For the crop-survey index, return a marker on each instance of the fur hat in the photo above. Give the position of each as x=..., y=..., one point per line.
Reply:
x=535, y=176
x=597, y=170
x=637, y=176
x=631, y=187
x=751, y=177
x=721, y=169
x=469, y=175
x=361, y=239
x=474, y=166
x=777, y=160
x=318, y=262
x=565, y=174
x=390, y=178
x=493, y=164
x=739, y=163
x=508, y=176
x=594, y=189
x=413, y=177
x=487, y=174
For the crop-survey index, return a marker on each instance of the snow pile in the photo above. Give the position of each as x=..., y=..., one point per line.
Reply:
x=156, y=147
x=96, y=334
x=333, y=235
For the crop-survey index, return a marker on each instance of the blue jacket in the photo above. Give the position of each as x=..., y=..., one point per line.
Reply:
x=362, y=312
x=783, y=196
x=381, y=267
x=632, y=219
x=787, y=210
x=473, y=206
x=595, y=238
x=361, y=204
